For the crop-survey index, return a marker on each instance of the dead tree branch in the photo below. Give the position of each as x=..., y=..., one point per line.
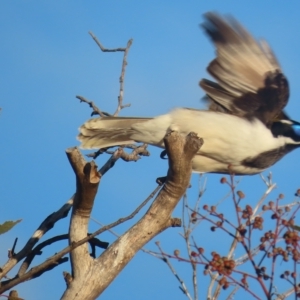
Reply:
x=165, y=259
x=95, y=275
x=96, y=110
x=136, y=153
x=121, y=94
x=52, y=261
x=103, y=49
x=87, y=182
x=45, y=226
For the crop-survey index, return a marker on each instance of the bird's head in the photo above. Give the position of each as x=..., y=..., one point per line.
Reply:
x=289, y=129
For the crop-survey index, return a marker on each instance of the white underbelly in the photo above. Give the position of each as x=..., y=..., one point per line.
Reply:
x=228, y=140
x=202, y=164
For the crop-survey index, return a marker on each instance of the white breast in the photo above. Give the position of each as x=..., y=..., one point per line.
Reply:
x=228, y=139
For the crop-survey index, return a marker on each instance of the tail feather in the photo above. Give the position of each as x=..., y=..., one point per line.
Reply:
x=108, y=131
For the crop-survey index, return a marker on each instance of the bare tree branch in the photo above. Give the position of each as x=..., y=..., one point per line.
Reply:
x=165, y=259
x=45, y=226
x=37, y=251
x=53, y=260
x=121, y=94
x=137, y=152
x=111, y=162
x=103, y=49
x=94, y=242
x=96, y=110
x=98, y=274
x=87, y=182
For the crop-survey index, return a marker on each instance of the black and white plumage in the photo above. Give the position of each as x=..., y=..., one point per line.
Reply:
x=244, y=127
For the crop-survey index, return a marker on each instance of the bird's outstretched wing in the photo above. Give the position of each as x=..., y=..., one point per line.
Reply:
x=250, y=82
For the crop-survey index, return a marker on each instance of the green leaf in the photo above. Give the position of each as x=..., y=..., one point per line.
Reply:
x=8, y=225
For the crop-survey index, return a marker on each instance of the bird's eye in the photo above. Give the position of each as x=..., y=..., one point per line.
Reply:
x=296, y=128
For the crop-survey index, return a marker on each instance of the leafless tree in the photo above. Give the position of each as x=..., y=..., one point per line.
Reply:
x=90, y=275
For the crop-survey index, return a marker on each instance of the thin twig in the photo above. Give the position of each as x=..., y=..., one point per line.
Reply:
x=233, y=292
x=262, y=199
x=268, y=181
x=124, y=64
x=121, y=94
x=187, y=232
x=103, y=49
x=95, y=154
x=14, y=246
x=96, y=110
x=121, y=153
x=45, y=226
x=213, y=279
x=166, y=260
x=38, y=249
x=52, y=261
x=111, y=162
x=138, y=150
x=136, y=153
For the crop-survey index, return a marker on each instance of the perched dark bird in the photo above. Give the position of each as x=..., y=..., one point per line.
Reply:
x=244, y=127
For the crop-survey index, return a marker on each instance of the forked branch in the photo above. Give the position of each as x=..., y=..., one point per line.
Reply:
x=102, y=271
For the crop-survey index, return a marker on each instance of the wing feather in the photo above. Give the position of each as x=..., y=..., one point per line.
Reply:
x=250, y=82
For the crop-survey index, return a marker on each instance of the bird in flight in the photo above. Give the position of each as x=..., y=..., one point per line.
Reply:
x=244, y=129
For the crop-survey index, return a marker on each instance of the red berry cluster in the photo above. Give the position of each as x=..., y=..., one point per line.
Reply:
x=222, y=265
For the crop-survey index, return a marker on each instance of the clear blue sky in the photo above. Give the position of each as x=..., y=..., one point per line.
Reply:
x=47, y=57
